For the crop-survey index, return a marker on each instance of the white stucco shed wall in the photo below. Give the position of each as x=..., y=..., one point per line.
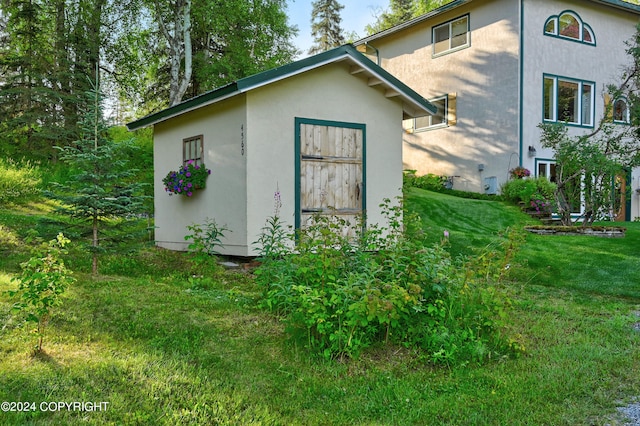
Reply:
x=224, y=198
x=484, y=80
x=328, y=93
x=249, y=144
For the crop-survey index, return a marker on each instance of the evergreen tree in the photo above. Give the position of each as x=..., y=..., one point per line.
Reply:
x=325, y=25
x=101, y=190
x=25, y=103
x=401, y=11
x=48, y=49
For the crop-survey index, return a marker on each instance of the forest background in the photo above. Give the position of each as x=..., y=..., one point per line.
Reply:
x=144, y=55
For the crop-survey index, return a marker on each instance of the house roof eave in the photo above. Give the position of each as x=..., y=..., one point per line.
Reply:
x=412, y=102
x=619, y=4
x=630, y=7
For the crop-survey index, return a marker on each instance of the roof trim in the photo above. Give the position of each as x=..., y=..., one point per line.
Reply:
x=620, y=5
x=456, y=3
x=411, y=22
x=413, y=103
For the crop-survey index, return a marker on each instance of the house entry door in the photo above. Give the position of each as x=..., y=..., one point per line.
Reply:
x=622, y=203
x=330, y=170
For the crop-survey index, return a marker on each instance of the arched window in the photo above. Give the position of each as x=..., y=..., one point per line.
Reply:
x=620, y=111
x=569, y=25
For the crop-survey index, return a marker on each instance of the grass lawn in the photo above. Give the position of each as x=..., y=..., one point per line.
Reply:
x=164, y=348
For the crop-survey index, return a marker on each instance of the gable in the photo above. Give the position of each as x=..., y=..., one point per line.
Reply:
x=357, y=65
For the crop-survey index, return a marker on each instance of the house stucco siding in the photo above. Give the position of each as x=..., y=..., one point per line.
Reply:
x=484, y=80
x=601, y=64
x=224, y=198
x=329, y=94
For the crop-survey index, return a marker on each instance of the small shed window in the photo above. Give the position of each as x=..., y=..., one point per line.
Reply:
x=192, y=150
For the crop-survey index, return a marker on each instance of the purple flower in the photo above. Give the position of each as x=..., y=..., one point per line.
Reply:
x=188, y=174
x=189, y=194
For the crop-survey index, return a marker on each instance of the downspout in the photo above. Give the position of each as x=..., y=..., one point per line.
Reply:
x=367, y=45
x=521, y=82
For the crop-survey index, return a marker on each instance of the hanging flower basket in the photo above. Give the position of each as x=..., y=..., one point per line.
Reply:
x=519, y=172
x=187, y=179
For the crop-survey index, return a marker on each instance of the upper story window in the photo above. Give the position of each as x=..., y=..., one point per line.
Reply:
x=442, y=118
x=568, y=100
x=621, y=111
x=450, y=36
x=192, y=150
x=569, y=25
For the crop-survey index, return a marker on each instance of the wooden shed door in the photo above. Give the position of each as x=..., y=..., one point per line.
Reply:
x=331, y=170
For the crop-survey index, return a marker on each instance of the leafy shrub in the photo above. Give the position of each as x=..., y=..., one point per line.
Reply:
x=429, y=181
x=19, y=182
x=527, y=191
x=339, y=295
x=436, y=183
x=43, y=279
x=205, y=239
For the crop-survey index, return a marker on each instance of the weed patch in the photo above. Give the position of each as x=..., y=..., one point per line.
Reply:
x=340, y=294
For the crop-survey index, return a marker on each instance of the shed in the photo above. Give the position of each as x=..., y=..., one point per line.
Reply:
x=322, y=135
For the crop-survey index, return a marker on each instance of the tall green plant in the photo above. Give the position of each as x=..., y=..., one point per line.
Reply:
x=101, y=190
x=340, y=292
x=19, y=181
x=205, y=239
x=43, y=280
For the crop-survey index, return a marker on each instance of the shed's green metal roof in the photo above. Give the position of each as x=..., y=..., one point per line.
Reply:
x=452, y=5
x=413, y=103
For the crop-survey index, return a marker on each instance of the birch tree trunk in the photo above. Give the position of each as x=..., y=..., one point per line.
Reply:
x=177, y=32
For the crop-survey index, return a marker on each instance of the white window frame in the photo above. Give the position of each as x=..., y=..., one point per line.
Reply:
x=449, y=26
x=547, y=174
x=581, y=103
x=547, y=168
x=627, y=118
x=412, y=123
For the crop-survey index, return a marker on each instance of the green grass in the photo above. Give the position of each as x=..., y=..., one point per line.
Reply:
x=472, y=224
x=163, y=347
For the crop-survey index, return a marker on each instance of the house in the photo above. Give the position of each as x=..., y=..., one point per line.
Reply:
x=322, y=135
x=496, y=69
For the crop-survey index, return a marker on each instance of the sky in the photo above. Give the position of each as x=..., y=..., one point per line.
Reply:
x=355, y=17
